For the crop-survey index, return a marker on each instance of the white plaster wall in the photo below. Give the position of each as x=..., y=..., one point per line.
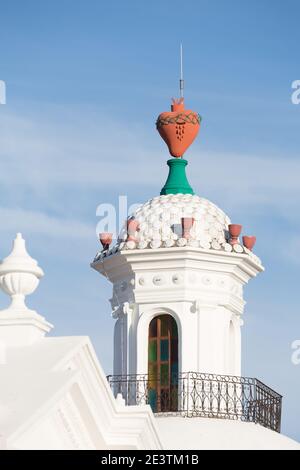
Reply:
x=216, y=434
x=45, y=435
x=204, y=342
x=202, y=291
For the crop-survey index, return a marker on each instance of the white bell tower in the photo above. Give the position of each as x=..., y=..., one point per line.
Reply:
x=178, y=271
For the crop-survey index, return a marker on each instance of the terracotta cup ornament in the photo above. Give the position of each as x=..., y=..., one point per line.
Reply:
x=132, y=228
x=178, y=128
x=234, y=231
x=249, y=242
x=105, y=239
x=187, y=223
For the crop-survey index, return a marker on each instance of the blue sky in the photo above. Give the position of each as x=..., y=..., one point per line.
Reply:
x=85, y=82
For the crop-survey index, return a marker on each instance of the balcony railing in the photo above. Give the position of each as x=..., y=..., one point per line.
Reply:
x=194, y=394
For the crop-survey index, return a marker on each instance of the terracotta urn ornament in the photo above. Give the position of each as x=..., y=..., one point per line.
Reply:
x=187, y=223
x=132, y=228
x=178, y=127
x=105, y=239
x=249, y=242
x=234, y=230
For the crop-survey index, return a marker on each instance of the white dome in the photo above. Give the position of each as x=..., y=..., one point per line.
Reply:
x=160, y=226
x=160, y=222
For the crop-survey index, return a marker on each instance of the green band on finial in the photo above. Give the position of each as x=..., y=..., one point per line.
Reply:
x=177, y=181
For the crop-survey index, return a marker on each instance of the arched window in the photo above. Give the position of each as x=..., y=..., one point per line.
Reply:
x=163, y=364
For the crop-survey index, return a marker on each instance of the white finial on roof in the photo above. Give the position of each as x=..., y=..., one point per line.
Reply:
x=19, y=277
x=19, y=274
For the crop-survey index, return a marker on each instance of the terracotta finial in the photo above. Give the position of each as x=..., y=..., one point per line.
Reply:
x=105, y=239
x=249, y=242
x=187, y=223
x=178, y=127
x=234, y=230
x=132, y=228
x=177, y=104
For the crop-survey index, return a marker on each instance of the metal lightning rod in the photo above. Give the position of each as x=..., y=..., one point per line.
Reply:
x=181, y=81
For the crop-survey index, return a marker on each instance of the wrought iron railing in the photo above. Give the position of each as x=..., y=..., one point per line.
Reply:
x=207, y=395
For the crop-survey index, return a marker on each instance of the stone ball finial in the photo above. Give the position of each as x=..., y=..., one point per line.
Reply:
x=19, y=274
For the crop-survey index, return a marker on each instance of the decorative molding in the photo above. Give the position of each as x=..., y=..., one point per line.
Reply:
x=178, y=278
x=158, y=280
x=125, y=308
x=65, y=423
x=206, y=280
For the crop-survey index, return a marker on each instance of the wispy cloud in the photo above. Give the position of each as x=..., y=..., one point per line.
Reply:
x=41, y=154
x=66, y=148
x=15, y=220
x=90, y=148
x=252, y=181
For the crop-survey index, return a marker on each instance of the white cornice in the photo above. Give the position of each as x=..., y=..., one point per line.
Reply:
x=120, y=265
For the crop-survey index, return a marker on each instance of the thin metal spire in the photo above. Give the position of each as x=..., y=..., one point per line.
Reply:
x=181, y=81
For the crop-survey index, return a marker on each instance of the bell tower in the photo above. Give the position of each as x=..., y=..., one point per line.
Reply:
x=178, y=272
